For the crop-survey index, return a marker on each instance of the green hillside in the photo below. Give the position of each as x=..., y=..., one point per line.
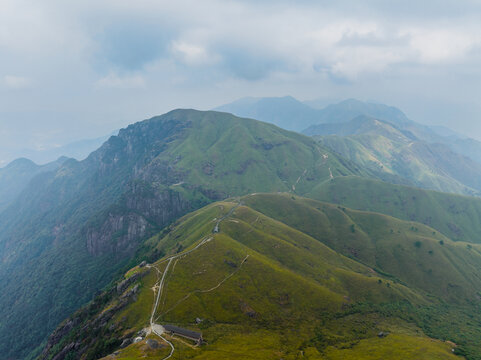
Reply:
x=261, y=157
x=413, y=253
x=334, y=120
x=383, y=148
x=456, y=216
x=71, y=231
x=287, y=277
x=292, y=114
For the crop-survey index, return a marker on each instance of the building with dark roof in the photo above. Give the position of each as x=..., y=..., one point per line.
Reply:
x=188, y=334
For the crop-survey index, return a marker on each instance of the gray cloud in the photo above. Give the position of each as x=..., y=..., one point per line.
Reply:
x=130, y=45
x=83, y=68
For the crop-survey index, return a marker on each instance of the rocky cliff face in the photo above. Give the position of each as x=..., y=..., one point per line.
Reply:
x=158, y=206
x=119, y=234
x=146, y=204
x=141, y=213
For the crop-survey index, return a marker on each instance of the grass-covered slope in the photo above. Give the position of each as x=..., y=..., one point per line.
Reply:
x=410, y=252
x=73, y=229
x=456, y=216
x=234, y=156
x=334, y=120
x=286, y=277
x=381, y=147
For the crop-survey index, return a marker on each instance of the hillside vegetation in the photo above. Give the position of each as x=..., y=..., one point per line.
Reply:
x=410, y=252
x=384, y=148
x=15, y=177
x=311, y=118
x=456, y=216
x=71, y=231
x=293, y=278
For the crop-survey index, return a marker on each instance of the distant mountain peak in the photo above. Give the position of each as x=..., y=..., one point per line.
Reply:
x=21, y=162
x=291, y=114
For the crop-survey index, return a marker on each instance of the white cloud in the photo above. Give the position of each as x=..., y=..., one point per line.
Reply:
x=16, y=82
x=213, y=51
x=193, y=54
x=442, y=45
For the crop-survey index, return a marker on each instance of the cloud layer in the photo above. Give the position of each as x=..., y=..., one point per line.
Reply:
x=83, y=68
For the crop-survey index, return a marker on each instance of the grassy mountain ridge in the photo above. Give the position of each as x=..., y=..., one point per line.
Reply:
x=289, y=113
x=336, y=116
x=310, y=119
x=75, y=228
x=348, y=109
x=456, y=216
x=268, y=286
x=411, y=252
x=361, y=124
x=381, y=147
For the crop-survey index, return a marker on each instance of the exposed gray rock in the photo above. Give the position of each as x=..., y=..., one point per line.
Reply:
x=126, y=283
x=58, y=334
x=62, y=354
x=153, y=344
x=127, y=230
x=125, y=343
x=142, y=211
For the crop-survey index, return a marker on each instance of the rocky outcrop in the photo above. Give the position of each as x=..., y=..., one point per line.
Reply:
x=119, y=234
x=153, y=344
x=160, y=207
x=67, y=349
x=142, y=211
x=123, y=285
x=58, y=335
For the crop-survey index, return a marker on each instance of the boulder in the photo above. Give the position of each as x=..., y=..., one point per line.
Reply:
x=153, y=344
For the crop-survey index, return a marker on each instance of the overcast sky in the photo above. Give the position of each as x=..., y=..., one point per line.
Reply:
x=81, y=68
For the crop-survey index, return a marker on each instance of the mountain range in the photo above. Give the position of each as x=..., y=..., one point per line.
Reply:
x=72, y=229
x=382, y=147
x=79, y=150
x=291, y=114
x=16, y=175
x=287, y=277
x=285, y=245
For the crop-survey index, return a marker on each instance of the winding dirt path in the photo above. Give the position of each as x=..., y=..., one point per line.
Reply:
x=156, y=328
